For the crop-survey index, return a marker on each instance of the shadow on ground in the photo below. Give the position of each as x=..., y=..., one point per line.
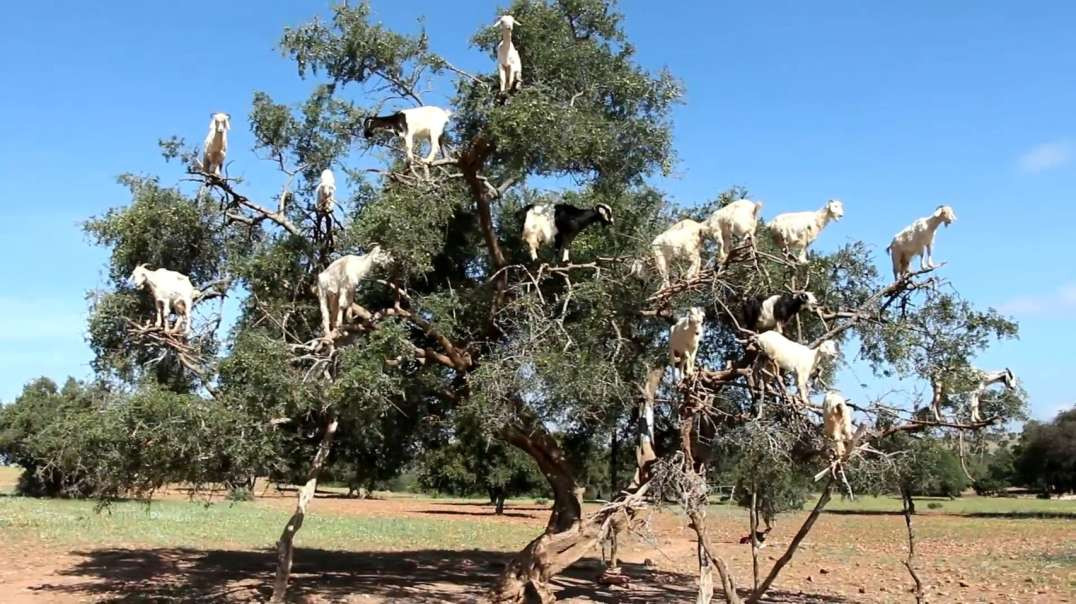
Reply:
x=427, y=576
x=423, y=577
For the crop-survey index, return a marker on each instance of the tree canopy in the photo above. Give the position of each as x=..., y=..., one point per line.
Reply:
x=461, y=338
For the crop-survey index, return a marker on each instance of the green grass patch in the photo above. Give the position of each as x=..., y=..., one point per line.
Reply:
x=962, y=506
x=246, y=525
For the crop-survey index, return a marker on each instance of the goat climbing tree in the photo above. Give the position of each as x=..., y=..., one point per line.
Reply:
x=462, y=328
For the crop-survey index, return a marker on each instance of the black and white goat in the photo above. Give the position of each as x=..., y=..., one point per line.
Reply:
x=559, y=223
x=764, y=314
x=427, y=121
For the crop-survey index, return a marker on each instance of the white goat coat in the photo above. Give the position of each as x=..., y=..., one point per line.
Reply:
x=794, y=357
x=425, y=122
x=795, y=231
x=837, y=421
x=509, y=65
x=172, y=293
x=539, y=227
x=216, y=143
x=682, y=240
x=917, y=239
x=684, y=338
x=987, y=379
x=336, y=286
x=326, y=192
x=737, y=220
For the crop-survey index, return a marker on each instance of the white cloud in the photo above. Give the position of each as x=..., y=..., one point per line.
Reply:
x=1062, y=299
x=1045, y=156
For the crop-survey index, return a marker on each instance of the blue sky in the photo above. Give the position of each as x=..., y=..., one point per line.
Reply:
x=892, y=107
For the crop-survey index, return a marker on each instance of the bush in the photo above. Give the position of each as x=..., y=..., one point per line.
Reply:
x=240, y=494
x=934, y=505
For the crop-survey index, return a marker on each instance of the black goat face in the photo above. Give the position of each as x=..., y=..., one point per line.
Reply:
x=605, y=213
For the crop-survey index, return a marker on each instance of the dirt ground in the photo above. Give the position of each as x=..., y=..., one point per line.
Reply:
x=849, y=557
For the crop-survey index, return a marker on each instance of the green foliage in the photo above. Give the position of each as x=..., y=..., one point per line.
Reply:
x=41, y=405
x=1046, y=454
x=994, y=471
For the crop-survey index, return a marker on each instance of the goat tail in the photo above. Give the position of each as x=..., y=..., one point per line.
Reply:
x=758, y=209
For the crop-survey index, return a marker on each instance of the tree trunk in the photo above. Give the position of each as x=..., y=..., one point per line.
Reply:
x=910, y=562
x=906, y=498
x=754, y=534
x=707, y=561
x=568, y=537
x=787, y=556
x=614, y=461
x=285, y=546
x=565, y=540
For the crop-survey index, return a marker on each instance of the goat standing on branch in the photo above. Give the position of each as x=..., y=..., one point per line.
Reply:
x=794, y=357
x=337, y=283
x=216, y=144
x=837, y=422
x=736, y=221
x=172, y=293
x=764, y=314
x=326, y=194
x=428, y=122
x=682, y=240
x=559, y=223
x=917, y=239
x=986, y=379
x=795, y=231
x=509, y=67
x=684, y=338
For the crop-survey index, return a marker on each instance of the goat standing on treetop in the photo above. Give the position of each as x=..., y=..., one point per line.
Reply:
x=794, y=357
x=337, y=283
x=172, y=293
x=559, y=223
x=682, y=240
x=917, y=239
x=764, y=314
x=509, y=66
x=684, y=338
x=795, y=231
x=216, y=144
x=837, y=422
x=426, y=121
x=737, y=220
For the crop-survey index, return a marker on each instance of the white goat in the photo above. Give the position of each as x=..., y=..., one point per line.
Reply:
x=216, y=143
x=336, y=285
x=917, y=239
x=794, y=231
x=684, y=338
x=737, y=220
x=427, y=122
x=794, y=357
x=172, y=293
x=837, y=422
x=682, y=240
x=326, y=192
x=509, y=67
x=986, y=379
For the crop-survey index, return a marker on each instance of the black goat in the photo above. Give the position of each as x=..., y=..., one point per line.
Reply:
x=561, y=223
x=764, y=314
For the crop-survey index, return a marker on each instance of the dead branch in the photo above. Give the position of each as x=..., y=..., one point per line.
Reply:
x=786, y=557
x=240, y=200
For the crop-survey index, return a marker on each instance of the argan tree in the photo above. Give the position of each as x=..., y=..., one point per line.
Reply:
x=462, y=332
